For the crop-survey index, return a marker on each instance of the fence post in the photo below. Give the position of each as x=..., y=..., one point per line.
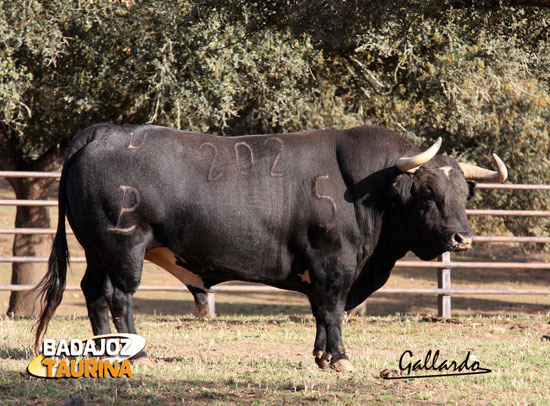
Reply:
x=211, y=297
x=444, y=282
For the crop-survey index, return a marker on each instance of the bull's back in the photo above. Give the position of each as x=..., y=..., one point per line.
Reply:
x=224, y=203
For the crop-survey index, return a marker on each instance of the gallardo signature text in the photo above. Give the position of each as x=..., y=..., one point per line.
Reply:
x=431, y=362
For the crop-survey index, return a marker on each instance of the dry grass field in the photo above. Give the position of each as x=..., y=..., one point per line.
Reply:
x=258, y=350
x=266, y=360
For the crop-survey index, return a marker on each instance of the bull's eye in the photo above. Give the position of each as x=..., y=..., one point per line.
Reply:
x=427, y=194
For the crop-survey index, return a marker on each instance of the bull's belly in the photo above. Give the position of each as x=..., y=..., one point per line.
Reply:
x=220, y=269
x=166, y=259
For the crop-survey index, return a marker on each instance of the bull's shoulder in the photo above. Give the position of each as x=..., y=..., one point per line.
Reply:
x=361, y=138
x=375, y=141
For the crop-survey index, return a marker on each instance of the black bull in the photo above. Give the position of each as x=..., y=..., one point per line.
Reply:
x=326, y=213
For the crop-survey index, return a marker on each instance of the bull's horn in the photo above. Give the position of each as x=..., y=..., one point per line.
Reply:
x=411, y=164
x=475, y=173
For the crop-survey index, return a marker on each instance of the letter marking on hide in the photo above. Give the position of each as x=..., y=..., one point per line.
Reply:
x=210, y=177
x=319, y=196
x=276, y=161
x=131, y=145
x=126, y=190
x=240, y=145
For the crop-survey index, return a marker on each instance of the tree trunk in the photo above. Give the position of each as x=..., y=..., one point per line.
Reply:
x=22, y=303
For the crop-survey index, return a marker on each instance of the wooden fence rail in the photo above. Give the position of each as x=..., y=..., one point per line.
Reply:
x=443, y=266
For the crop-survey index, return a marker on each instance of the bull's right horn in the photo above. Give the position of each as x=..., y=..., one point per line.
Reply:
x=412, y=163
x=475, y=173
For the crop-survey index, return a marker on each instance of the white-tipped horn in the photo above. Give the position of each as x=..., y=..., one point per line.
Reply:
x=475, y=173
x=411, y=164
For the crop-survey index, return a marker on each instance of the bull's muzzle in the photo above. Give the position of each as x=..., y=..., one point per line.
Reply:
x=461, y=242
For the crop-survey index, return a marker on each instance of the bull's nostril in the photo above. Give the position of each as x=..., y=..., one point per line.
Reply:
x=459, y=238
x=461, y=242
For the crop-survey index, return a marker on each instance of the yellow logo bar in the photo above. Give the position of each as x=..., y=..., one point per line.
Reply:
x=100, y=356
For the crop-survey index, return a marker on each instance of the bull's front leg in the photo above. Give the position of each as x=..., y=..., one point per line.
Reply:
x=320, y=345
x=329, y=347
x=328, y=283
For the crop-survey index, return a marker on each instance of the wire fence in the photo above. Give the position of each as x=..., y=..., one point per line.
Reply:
x=444, y=265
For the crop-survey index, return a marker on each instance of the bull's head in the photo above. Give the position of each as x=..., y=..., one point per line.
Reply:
x=434, y=191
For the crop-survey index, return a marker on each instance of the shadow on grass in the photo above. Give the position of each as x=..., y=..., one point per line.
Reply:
x=388, y=304
x=380, y=304
x=230, y=303
x=16, y=353
x=21, y=388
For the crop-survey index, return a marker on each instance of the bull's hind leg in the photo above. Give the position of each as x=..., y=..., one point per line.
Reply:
x=96, y=291
x=110, y=286
x=165, y=258
x=121, y=305
x=202, y=305
x=124, y=277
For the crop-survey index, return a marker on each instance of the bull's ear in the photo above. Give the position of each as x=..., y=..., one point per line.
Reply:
x=401, y=188
x=471, y=190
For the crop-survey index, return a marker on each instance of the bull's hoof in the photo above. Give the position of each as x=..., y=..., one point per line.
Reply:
x=322, y=361
x=342, y=365
x=202, y=312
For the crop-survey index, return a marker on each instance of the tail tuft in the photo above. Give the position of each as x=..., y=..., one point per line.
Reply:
x=50, y=288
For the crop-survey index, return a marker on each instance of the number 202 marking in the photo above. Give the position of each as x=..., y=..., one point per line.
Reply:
x=214, y=156
x=243, y=152
x=276, y=160
x=241, y=145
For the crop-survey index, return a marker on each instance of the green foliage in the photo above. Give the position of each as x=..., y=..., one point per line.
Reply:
x=64, y=66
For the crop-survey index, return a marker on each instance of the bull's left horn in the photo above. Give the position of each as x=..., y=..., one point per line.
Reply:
x=475, y=173
x=411, y=164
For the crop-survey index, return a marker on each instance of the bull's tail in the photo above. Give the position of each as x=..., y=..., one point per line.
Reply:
x=51, y=287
